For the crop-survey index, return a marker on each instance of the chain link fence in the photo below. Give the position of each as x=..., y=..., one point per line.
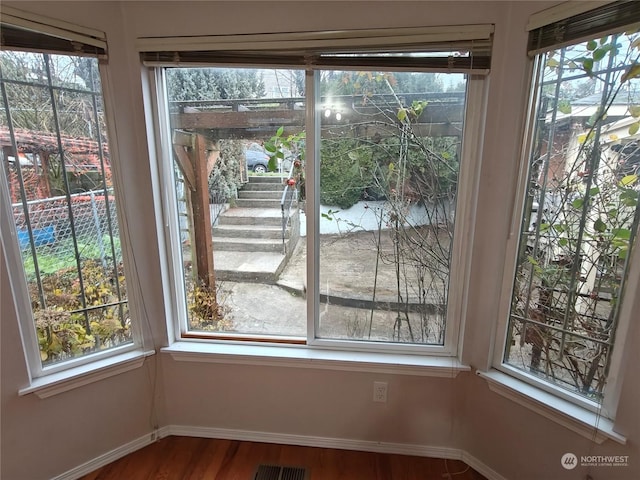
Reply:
x=51, y=225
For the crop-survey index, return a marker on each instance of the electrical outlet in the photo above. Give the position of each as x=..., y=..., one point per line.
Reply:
x=380, y=392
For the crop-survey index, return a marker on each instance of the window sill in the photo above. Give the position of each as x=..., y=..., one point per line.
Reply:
x=59, y=382
x=578, y=419
x=309, y=357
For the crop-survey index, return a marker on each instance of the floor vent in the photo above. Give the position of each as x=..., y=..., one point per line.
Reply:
x=278, y=472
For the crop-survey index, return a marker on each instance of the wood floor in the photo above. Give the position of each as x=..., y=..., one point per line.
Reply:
x=189, y=458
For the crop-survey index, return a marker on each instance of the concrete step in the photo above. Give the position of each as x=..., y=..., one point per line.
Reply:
x=262, y=186
x=248, y=231
x=261, y=267
x=252, y=216
x=240, y=244
x=260, y=194
x=257, y=203
x=265, y=179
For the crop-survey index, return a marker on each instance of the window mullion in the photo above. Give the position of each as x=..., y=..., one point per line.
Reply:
x=176, y=292
x=312, y=93
x=521, y=180
x=465, y=207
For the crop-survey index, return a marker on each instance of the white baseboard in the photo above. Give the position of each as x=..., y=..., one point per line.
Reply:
x=340, y=443
x=113, y=455
x=282, y=438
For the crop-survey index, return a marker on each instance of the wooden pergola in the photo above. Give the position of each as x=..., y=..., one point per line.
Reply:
x=198, y=125
x=81, y=154
x=260, y=118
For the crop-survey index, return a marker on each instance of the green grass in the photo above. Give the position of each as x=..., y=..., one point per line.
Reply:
x=61, y=255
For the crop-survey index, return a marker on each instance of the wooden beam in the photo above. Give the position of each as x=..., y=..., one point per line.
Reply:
x=185, y=165
x=436, y=119
x=215, y=120
x=180, y=137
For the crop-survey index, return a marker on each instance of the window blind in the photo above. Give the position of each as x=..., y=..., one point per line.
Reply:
x=546, y=33
x=21, y=30
x=452, y=48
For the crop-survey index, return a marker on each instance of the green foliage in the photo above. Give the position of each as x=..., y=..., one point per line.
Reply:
x=352, y=169
x=279, y=148
x=412, y=113
x=401, y=164
x=62, y=334
x=346, y=170
x=429, y=172
x=275, y=149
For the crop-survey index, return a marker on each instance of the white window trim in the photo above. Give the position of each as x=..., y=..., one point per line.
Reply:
x=164, y=195
x=591, y=425
x=120, y=361
x=18, y=280
x=513, y=379
x=299, y=356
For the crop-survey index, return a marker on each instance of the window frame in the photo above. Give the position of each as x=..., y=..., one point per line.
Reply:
x=608, y=406
x=464, y=227
x=80, y=365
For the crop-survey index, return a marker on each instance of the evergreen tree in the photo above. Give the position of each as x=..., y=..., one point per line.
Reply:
x=185, y=84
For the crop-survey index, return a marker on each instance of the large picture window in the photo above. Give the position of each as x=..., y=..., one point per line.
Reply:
x=318, y=204
x=580, y=216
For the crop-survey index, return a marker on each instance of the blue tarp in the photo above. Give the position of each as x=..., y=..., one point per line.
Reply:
x=41, y=236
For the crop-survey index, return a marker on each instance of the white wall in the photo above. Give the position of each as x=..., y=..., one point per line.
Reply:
x=42, y=438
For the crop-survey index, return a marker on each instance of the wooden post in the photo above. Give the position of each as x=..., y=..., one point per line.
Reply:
x=192, y=151
x=201, y=214
x=44, y=174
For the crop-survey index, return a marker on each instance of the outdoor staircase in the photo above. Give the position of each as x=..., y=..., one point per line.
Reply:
x=247, y=239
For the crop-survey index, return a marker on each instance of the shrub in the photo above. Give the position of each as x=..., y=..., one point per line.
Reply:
x=62, y=334
x=345, y=172
x=224, y=179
